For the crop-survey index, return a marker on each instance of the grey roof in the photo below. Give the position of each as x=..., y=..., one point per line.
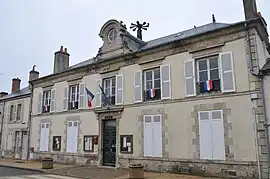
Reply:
x=266, y=66
x=168, y=39
x=21, y=92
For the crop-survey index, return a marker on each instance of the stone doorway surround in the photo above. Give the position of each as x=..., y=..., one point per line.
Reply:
x=108, y=114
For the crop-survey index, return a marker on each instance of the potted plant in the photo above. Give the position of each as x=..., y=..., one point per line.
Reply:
x=136, y=171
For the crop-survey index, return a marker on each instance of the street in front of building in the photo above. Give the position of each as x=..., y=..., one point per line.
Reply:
x=14, y=173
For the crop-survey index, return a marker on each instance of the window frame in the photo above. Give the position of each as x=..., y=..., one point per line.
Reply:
x=11, y=113
x=112, y=34
x=92, y=145
x=18, y=115
x=46, y=100
x=144, y=85
x=109, y=97
x=128, y=138
x=53, y=144
x=76, y=96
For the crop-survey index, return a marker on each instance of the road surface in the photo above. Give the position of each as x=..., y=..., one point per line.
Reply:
x=12, y=173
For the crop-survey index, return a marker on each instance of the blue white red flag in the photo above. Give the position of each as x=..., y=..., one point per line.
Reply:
x=90, y=97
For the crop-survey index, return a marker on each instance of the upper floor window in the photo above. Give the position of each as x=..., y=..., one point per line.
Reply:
x=73, y=97
x=152, y=90
x=109, y=90
x=19, y=111
x=46, y=101
x=208, y=78
x=112, y=35
x=11, y=113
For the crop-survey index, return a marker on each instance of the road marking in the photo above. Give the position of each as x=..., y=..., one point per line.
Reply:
x=37, y=177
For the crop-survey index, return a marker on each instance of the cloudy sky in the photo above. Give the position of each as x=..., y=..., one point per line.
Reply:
x=31, y=31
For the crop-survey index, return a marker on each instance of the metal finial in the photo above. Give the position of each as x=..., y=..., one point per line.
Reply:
x=213, y=18
x=34, y=66
x=139, y=27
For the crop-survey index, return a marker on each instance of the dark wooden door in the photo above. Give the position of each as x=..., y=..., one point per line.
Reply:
x=109, y=143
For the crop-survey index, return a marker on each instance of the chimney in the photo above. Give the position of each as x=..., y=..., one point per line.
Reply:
x=2, y=94
x=16, y=84
x=61, y=60
x=33, y=74
x=250, y=9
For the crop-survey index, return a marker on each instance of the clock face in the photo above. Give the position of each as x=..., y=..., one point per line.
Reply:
x=112, y=35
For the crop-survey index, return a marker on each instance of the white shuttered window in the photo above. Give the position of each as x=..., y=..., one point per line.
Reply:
x=44, y=137
x=152, y=136
x=72, y=136
x=212, y=144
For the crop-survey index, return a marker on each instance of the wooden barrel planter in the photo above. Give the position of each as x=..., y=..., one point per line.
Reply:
x=47, y=163
x=136, y=171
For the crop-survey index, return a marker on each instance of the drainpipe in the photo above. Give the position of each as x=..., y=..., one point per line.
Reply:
x=260, y=76
x=30, y=120
x=2, y=127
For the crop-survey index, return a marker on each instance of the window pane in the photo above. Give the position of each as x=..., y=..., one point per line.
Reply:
x=213, y=62
x=149, y=84
x=107, y=83
x=148, y=75
x=203, y=76
x=214, y=74
x=202, y=65
x=157, y=84
x=113, y=82
x=157, y=74
x=113, y=91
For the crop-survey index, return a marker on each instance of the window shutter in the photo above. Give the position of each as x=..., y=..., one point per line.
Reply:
x=157, y=136
x=65, y=100
x=14, y=113
x=52, y=107
x=41, y=137
x=218, y=143
x=138, y=87
x=205, y=136
x=82, y=96
x=148, y=136
x=8, y=113
x=39, y=107
x=189, y=74
x=98, y=93
x=22, y=111
x=119, y=90
x=165, y=72
x=227, y=72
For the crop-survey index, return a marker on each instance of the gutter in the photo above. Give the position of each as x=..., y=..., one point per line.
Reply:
x=2, y=127
x=260, y=76
x=30, y=120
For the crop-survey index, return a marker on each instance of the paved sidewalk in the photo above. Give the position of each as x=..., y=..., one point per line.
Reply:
x=89, y=172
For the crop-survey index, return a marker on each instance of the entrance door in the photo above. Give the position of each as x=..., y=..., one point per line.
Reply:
x=18, y=142
x=24, y=145
x=109, y=143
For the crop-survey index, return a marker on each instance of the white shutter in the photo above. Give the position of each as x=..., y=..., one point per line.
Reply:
x=148, y=136
x=39, y=107
x=65, y=100
x=165, y=72
x=82, y=96
x=218, y=143
x=41, y=137
x=72, y=134
x=8, y=113
x=157, y=136
x=137, y=87
x=22, y=112
x=119, y=90
x=205, y=136
x=52, y=106
x=9, y=140
x=14, y=112
x=46, y=136
x=227, y=72
x=189, y=74
x=98, y=93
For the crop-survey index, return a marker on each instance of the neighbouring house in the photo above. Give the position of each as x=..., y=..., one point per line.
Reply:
x=15, y=120
x=190, y=100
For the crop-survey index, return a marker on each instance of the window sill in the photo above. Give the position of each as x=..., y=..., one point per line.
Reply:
x=124, y=152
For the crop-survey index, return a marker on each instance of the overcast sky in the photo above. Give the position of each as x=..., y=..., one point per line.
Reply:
x=31, y=31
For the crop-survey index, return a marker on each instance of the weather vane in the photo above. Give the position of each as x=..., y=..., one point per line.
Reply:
x=139, y=28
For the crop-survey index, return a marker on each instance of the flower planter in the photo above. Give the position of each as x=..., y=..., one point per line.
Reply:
x=136, y=171
x=47, y=163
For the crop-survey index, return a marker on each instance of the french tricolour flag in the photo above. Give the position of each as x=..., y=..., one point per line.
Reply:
x=152, y=92
x=90, y=97
x=208, y=85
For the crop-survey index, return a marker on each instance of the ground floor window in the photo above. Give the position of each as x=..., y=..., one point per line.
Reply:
x=9, y=140
x=152, y=136
x=44, y=137
x=211, y=131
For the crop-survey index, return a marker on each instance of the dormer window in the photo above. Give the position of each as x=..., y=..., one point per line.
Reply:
x=112, y=35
